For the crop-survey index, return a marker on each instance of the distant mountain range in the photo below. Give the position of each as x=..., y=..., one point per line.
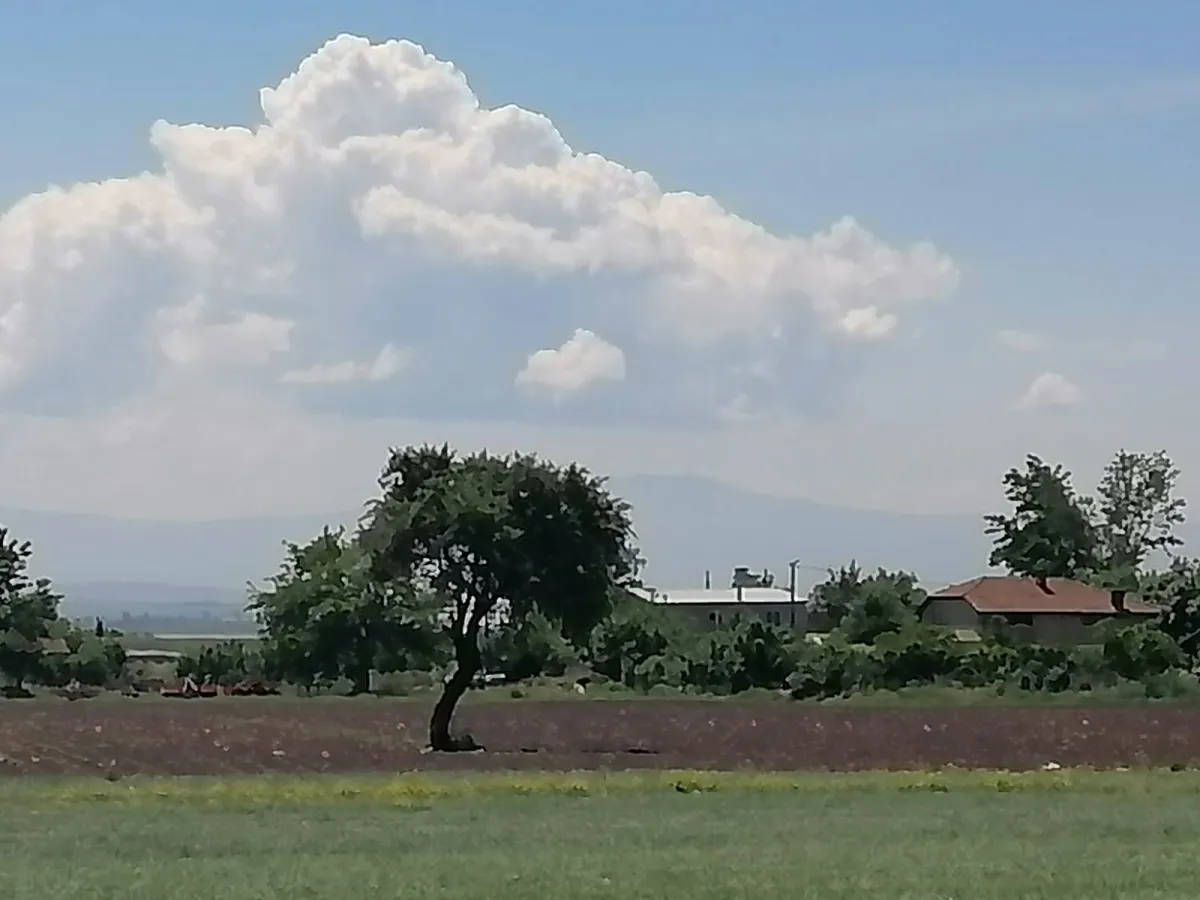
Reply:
x=685, y=526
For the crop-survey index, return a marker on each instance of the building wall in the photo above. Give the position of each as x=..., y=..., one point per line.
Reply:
x=724, y=613
x=950, y=612
x=1059, y=629
x=1044, y=628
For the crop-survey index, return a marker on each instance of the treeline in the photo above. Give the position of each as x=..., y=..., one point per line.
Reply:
x=877, y=644
x=464, y=565
x=36, y=644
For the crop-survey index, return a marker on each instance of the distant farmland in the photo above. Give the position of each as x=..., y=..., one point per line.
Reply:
x=180, y=641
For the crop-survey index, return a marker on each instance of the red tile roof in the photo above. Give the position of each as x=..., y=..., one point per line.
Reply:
x=997, y=594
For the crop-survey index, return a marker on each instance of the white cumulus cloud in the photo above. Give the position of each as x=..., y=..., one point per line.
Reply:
x=388, y=363
x=379, y=202
x=868, y=323
x=582, y=360
x=1049, y=390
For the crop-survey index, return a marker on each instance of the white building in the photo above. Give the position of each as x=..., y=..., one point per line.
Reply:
x=717, y=607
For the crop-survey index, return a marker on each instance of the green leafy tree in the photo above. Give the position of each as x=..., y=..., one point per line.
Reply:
x=633, y=632
x=1176, y=592
x=89, y=660
x=1049, y=533
x=489, y=535
x=861, y=609
x=324, y=618
x=1136, y=513
x=833, y=598
x=28, y=612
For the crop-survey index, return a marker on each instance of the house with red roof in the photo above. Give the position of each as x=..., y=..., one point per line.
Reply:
x=1058, y=610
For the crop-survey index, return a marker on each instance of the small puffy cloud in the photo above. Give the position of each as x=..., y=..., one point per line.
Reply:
x=583, y=360
x=378, y=201
x=1049, y=390
x=868, y=323
x=1021, y=341
x=389, y=362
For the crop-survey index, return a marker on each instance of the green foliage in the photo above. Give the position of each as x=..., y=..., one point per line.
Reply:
x=28, y=612
x=1142, y=651
x=633, y=634
x=226, y=663
x=89, y=660
x=861, y=609
x=922, y=655
x=530, y=648
x=918, y=654
x=481, y=532
x=1177, y=592
x=323, y=617
x=644, y=646
x=1136, y=510
x=1049, y=533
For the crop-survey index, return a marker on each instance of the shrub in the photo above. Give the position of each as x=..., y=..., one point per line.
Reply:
x=1141, y=651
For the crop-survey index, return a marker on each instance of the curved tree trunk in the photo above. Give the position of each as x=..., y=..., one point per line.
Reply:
x=440, y=737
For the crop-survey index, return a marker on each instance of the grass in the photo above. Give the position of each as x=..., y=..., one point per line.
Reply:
x=978, y=835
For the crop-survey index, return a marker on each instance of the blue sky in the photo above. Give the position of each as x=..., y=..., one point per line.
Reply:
x=1047, y=151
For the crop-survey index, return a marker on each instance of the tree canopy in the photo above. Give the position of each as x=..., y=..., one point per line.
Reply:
x=863, y=608
x=28, y=612
x=1048, y=533
x=324, y=617
x=1054, y=531
x=1136, y=511
x=491, y=536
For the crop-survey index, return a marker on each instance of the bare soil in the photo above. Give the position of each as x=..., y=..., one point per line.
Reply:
x=253, y=735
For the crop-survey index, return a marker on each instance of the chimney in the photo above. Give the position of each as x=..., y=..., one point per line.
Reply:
x=1118, y=600
x=707, y=580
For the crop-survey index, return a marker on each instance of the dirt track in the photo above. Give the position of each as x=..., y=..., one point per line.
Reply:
x=260, y=735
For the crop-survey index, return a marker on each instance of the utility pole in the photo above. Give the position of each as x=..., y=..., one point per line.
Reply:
x=792, y=592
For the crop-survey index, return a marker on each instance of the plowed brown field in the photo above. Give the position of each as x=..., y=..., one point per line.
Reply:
x=273, y=735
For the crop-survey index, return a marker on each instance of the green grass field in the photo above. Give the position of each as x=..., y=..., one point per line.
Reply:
x=981, y=836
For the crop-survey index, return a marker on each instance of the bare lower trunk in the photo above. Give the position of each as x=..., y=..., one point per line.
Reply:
x=440, y=737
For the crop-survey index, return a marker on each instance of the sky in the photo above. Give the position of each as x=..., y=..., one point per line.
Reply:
x=865, y=253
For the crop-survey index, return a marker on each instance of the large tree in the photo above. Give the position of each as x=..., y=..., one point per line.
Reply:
x=1049, y=533
x=1136, y=510
x=495, y=535
x=323, y=617
x=28, y=612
